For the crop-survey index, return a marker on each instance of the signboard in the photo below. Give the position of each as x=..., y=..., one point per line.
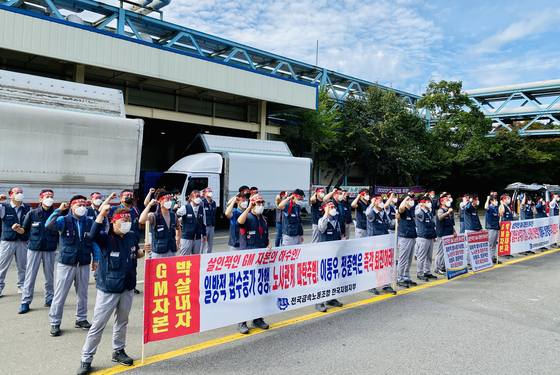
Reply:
x=455, y=256
x=526, y=235
x=477, y=244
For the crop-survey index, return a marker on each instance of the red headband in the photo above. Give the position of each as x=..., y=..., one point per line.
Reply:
x=122, y=215
x=14, y=190
x=207, y=190
x=328, y=204
x=195, y=195
x=164, y=197
x=95, y=195
x=46, y=193
x=256, y=198
x=254, y=191
x=126, y=193
x=320, y=190
x=75, y=201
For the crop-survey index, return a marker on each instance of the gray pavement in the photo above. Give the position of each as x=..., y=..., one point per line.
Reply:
x=506, y=298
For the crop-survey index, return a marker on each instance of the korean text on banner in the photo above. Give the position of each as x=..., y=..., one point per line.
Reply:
x=525, y=235
x=477, y=244
x=400, y=192
x=234, y=287
x=455, y=255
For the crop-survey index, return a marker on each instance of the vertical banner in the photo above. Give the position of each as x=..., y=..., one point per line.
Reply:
x=477, y=243
x=504, y=241
x=185, y=295
x=455, y=255
x=526, y=235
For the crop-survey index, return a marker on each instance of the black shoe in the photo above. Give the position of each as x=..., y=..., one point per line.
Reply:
x=389, y=290
x=48, y=303
x=411, y=283
x=423, y=278
x=320, y=307
x=24, y=308
x=496, y=261
x=530, y=252
x=83, y=324
x=440, y=272
x=121, y=357
x=260, y=323
x=430, y=276
x=508, y=256
x=402, y=284
x=334, y=303
x=242, y=327
x=84, y=369
x=55, y=331
x=136, y=291
x=374, y=291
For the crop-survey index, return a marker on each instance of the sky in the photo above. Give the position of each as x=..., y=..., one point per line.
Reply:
x=399, y=43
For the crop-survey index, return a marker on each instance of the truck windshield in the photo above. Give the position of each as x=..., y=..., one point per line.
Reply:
x=196, y=183
x=170, y=181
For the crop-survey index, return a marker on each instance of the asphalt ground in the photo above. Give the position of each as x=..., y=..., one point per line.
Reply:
x=423, y=324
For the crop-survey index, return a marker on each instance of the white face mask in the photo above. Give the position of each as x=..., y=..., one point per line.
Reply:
x=125, y=227
x=197, y=200
x=557, y=199
x=97, y=202
x=448, y=203
x=333, y=212
x=210, y=194
x=380, y=205
x=429, y=206
x=465, y=200
x=259, y=210
x=494, y=203
x=300, y=202
x=339, y=197
x=366, y=197
x=80, y=211
x=411, y=203
x=48, y=202
x=450, y=200
x=508, y=201
x=244, y=204
x=19, y=197
x=167, y=205
x=395, y=200
x=321, y=195
x=529, y=202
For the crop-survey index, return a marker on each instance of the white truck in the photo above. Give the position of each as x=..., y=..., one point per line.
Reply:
x=69, y=137
x=226, y=163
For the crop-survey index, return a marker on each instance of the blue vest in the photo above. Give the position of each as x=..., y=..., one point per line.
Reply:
x=332, y=233
x=556, y=210
x=380, y=224
x=347, y=209
x=340, y=215
x=192, y=226
x=117, y=260
x=234, y=232
x=92, y=213
x=392, y=216
x=134, y=217
x=526, y=212
x=461, y=214
x=541, y=210
x=41, y=238
x=163, y=238
x=492, y=218
x=291, y=221
x=74, y=248
x=10, y=218
x=508, y=215
x=252, y=232
x=210, y=209
x=472, y=222
x=361, y=219
x=426, y=227
x=407, y=224
x=315, y=211
x=445, y=227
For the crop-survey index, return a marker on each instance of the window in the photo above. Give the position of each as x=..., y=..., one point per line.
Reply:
x=196, y=183
x=170, y=181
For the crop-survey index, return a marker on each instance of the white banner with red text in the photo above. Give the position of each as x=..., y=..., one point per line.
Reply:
x=526, y=235
x=479, y=250
x=195, y=293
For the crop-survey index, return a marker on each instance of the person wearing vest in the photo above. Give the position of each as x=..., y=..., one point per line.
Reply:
x=41, y=247
x=338, y=200
x=554, y=210
x=464, y=201
x=425, y=240
x=126, y=202
x=378, y=225
x=406, y=233
x=165, y=231
x=175, y=202
x=526, y=211
x=292, y=229
x=118, y=254
x=76, y=250
x=347, y=212
x=13, y=243
x=317, y=200
x=255, y=230
x=540, y=208
x=278, y=218
x=236, y=239
x=360, y=204
x=210, y=213
x=472, y=221
x=492, y=225
x=93, y=210
x=432, y=194
x=391, y=211
x=445, y=226
x=329, y=229
x=505, y=212
x=193, y=221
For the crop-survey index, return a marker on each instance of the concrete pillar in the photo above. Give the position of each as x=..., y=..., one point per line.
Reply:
x=79, y=73
x=262, y=119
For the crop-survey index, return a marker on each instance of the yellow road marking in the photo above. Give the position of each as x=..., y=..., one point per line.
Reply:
x=331, y=310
